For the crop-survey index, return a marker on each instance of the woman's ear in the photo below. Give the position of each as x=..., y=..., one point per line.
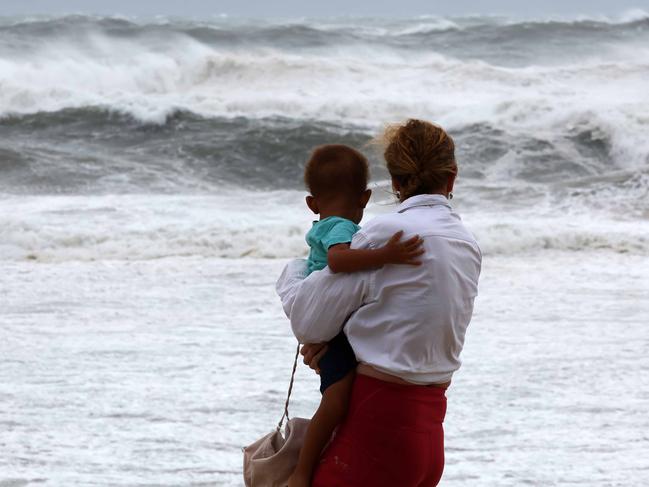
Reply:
x=450, y=182
x=311, y=203
x=396, y=187
x=365, y=197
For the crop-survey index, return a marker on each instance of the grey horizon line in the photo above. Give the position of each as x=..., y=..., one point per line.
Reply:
x=573, y=17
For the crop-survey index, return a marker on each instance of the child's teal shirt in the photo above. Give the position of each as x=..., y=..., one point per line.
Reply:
x=325, y=233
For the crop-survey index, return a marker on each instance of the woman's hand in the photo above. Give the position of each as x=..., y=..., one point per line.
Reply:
x=398, y=252
x=312, y=353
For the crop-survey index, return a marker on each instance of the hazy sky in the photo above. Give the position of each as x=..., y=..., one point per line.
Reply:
x=298, y=8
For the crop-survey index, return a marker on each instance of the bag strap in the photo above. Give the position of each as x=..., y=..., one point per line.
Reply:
x=290, y=389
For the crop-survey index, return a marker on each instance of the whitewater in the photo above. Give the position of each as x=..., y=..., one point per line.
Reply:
x=151, y=191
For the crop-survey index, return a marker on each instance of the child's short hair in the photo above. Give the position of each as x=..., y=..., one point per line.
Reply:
x=334, y=169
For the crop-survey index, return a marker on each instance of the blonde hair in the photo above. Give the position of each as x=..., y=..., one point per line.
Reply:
x=420, y=156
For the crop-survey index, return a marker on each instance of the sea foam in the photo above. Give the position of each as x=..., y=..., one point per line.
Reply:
x=133, y=228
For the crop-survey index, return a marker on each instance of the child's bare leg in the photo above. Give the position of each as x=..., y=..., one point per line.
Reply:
x=331, y=412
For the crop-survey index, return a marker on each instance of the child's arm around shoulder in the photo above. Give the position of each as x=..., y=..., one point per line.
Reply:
x=342, y=258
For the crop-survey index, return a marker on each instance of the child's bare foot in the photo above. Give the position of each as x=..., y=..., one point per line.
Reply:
x=299, y=480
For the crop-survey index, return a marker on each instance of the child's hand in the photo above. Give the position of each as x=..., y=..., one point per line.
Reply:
x=398, y=252
x=312, y=353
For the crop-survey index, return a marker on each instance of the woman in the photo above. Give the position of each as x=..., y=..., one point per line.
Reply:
x=406, y=324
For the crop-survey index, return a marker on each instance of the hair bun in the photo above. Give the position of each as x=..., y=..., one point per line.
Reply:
x=420, y=156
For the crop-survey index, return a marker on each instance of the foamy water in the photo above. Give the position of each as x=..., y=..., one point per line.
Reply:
x=266, y=225
x=157, y=372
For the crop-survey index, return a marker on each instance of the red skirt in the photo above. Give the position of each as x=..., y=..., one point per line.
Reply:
x=392, y=436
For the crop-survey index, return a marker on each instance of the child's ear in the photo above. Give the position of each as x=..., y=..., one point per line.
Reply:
x=365, y=198
x=311, y=203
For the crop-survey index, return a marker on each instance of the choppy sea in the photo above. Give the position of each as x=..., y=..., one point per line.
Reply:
x=150, y=192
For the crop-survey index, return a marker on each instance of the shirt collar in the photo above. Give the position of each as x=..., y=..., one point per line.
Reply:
x=423, y=200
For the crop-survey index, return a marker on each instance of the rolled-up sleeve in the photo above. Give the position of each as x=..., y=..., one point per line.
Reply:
x=319, y=305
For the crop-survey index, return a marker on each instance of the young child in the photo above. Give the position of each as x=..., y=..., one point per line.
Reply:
x=337, y=176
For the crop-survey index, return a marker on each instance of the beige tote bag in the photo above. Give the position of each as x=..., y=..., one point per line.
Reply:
x=270, y=461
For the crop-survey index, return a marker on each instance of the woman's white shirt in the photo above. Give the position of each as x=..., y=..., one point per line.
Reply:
x=403, y=320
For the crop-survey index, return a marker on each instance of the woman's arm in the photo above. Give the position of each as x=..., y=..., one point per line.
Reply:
x=319, y=305
x=341, y=258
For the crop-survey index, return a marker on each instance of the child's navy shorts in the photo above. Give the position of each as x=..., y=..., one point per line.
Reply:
x=337, y=362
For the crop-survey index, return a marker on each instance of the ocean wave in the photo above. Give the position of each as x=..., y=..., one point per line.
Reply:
x=150, y=83
x=110, y=105
x=367, y=25
x=631, y=16
x=225, y=68
x=259, y=225
x=573, y=234
x=95, y=151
